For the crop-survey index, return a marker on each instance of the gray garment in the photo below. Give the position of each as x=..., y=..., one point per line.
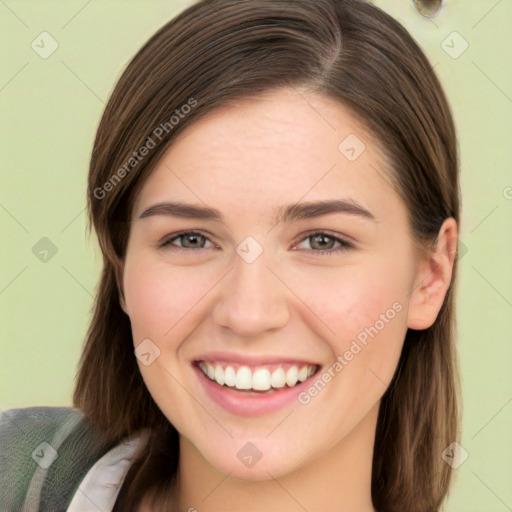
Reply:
x=45, y=452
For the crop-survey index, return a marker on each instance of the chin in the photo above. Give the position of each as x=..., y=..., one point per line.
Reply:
x=262, y=459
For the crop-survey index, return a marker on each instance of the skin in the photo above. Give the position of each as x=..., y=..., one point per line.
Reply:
x=246, y=161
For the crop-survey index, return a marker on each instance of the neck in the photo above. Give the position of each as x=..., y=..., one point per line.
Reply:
x=338, y=480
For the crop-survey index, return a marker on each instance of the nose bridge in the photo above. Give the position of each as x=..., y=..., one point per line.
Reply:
x=252, y=298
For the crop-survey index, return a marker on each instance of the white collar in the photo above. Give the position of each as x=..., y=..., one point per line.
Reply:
x=102, y=483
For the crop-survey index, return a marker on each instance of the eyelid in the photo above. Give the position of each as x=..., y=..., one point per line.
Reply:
x=331, y=234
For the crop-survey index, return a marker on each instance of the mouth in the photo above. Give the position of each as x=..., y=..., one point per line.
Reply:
x=255, y=388
x=258, y=379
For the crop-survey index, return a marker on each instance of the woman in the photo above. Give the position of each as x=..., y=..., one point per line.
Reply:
x=299, y=354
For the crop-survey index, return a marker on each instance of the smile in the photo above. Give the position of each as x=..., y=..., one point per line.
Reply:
x=257, y=378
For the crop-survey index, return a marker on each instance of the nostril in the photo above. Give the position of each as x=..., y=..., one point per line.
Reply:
x=429, y=8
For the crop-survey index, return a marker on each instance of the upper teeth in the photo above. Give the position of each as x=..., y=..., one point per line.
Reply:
x=258, y=378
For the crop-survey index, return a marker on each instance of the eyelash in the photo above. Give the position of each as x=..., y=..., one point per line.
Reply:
x=167, y=244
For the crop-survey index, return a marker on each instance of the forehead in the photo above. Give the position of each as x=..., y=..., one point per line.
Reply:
x=282, y=147
x=277, y=126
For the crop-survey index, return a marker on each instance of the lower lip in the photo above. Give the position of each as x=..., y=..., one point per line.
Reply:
x=244, y=404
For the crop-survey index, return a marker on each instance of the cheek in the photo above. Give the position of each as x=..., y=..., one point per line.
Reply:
x=365, y=311
x=350, y=299
x=158, y=298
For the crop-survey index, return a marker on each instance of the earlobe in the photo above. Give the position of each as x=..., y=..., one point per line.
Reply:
x=433, y=278
x=122, y=302
x=120, y=287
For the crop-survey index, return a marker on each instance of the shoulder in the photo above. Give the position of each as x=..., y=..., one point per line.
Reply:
x=46, y=417
x=44, y=453
x=21, y=430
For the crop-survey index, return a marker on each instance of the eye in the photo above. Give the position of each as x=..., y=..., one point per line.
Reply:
x=324, y=243
x=189, y=240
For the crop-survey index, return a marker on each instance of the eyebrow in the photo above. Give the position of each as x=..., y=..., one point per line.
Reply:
x=284, y=214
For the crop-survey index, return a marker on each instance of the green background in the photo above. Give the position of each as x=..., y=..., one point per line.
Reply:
x=50, y=109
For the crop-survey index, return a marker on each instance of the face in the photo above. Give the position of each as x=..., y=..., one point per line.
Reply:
x=297, y=314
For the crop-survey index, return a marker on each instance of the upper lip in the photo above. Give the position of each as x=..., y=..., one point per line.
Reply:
x=255, y=360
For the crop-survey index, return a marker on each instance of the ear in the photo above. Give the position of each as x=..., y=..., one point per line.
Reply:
x=433, y=278
x=120, y=288
x=122, y=303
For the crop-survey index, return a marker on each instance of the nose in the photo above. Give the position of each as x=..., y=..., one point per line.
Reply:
x=253, y=299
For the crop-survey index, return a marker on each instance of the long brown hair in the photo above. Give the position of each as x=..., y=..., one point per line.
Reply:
x=219, y=51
